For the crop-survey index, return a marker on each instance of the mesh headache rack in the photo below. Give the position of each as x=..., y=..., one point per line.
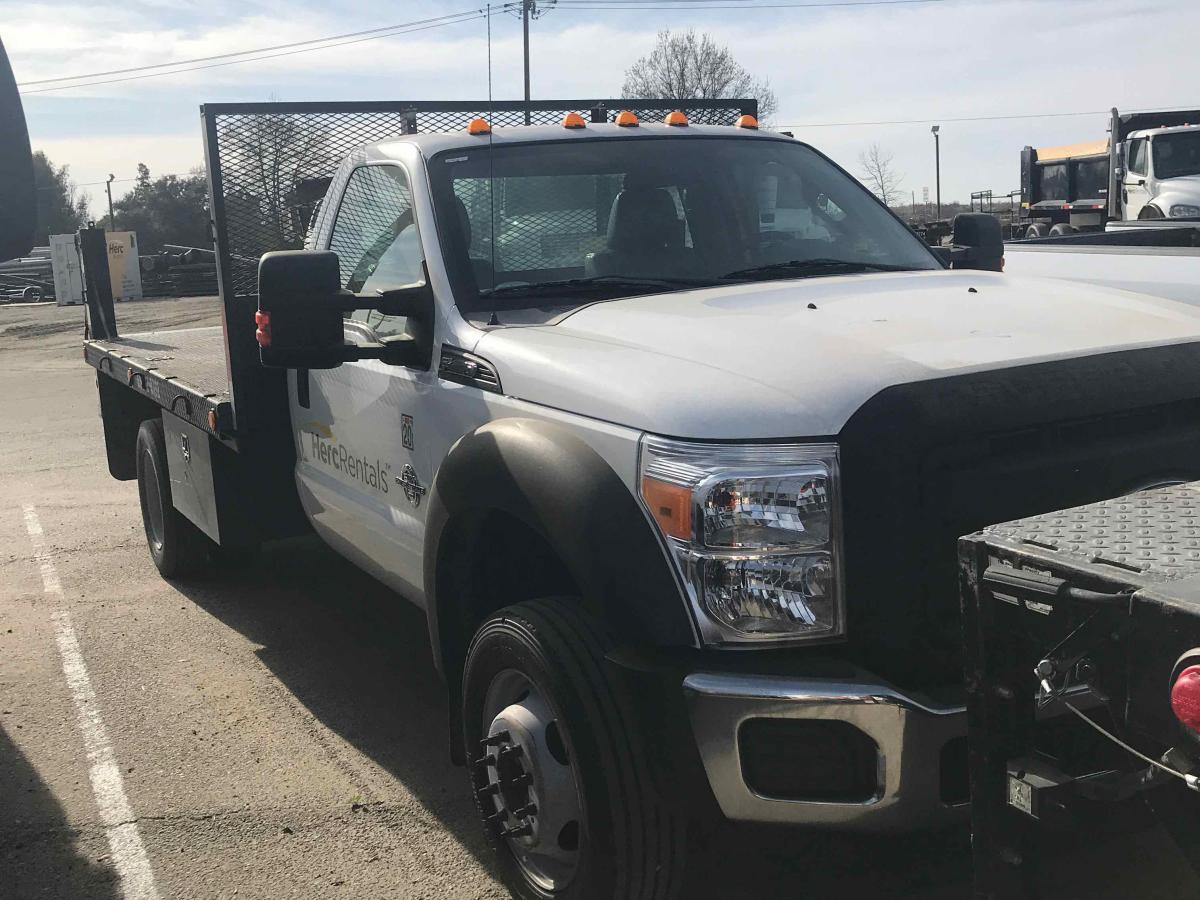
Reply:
x=270, y=163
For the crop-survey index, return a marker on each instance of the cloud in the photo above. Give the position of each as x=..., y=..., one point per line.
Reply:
x=940, y=60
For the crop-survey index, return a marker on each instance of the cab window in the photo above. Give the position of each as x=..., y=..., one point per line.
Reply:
x=376, y=239
x=1137, y=156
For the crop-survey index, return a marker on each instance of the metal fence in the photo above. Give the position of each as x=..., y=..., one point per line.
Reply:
x=270, y=163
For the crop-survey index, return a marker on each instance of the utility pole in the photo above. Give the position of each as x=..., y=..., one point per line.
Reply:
x=112, y=223
x=527, y=9
x=937, y=164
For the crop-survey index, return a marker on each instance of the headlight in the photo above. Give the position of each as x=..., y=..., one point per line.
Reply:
x=754, y=531
x=1184, y=211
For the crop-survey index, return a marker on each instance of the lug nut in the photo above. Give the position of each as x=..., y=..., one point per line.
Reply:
x=488, y=760
x=522, y=780
x=517, y=831
x=512, y=752
x=527, y=810
x=500, y=737
x=497, y=817
x=488, y=791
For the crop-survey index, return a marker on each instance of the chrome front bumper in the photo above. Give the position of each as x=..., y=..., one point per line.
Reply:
x=910, y=736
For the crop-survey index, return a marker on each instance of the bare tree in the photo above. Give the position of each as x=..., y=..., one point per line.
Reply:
x=878, y=174
x=689, y=66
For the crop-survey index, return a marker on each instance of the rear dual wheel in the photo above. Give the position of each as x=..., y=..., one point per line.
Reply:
x=560, y=775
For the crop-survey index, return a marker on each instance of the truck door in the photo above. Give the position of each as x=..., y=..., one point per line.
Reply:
x=361, y=467
x=1134, y=192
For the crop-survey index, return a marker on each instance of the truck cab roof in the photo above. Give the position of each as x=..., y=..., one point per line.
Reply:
x=437, y=142
x=1154, y=132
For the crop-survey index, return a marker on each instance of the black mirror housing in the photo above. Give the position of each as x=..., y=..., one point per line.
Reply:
x=978, y=243
x=300, y=309
x=299, y=317
x=18, y=195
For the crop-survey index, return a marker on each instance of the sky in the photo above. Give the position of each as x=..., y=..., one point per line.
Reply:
x=840, y=72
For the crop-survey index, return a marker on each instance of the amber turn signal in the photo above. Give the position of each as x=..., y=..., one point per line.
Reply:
x=262, y=333
x=670, y=505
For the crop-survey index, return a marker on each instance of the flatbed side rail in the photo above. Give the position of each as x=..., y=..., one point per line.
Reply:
x=211, y=412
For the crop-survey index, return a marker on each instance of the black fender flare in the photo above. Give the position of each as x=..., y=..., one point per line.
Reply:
x=554, y=482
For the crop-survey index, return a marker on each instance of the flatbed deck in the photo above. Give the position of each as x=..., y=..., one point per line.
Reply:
x=182, y=370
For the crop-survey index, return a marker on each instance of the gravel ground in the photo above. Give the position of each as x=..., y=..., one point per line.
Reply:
x=280, y=732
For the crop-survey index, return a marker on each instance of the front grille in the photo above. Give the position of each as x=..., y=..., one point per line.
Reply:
x=926, y=463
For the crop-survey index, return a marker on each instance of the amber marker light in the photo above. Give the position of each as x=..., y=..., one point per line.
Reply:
x=479, y=125
x=670, y=505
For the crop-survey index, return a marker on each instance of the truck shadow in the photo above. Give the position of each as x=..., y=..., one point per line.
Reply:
x=357, y=657
x=40, y=854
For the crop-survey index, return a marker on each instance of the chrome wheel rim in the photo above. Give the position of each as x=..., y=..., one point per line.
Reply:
x=530, y=782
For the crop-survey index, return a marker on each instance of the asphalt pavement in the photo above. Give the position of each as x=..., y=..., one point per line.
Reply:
x=268, y=733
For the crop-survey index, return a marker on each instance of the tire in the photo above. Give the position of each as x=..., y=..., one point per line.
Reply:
x=1150, y=211
x=1062, y=229
x=625, y=844
x=1036, y=230
x=177, y=547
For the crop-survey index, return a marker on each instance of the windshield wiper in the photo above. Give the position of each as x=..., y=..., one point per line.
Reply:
x=616, y=285
x=820, y=265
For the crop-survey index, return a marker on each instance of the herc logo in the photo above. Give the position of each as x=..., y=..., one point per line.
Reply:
x=318, y=445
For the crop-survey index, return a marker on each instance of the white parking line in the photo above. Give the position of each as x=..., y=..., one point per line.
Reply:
x=124, y=840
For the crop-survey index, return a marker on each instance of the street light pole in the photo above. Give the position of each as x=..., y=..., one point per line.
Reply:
x=937, y=163
x=112, y=223
x=526, y=9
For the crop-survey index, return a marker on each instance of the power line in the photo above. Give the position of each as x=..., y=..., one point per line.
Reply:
x=940, y=119
x=393, y=30
x=200, y=59
x=353, y=37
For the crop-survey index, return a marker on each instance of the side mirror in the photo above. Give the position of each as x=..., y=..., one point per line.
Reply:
x=977, y=243
x=300, y=313
x=18, y=195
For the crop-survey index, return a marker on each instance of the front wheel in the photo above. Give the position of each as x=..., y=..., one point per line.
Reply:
x=560, y=775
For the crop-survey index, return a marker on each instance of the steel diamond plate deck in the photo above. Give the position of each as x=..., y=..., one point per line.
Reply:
x=1154, y=533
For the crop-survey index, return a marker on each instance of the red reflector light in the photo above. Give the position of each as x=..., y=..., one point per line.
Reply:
x=1185, y=697
x=262, y=334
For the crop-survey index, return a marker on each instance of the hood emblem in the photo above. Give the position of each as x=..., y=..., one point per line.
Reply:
x=407, y=479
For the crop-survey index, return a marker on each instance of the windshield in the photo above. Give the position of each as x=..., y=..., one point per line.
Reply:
x=573, y=221
x=1176, y=154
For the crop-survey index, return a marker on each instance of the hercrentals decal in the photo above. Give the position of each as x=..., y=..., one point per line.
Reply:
x=324, y=448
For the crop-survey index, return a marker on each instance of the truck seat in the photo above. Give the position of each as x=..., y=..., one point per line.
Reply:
x=481, y=269
x=645, y=237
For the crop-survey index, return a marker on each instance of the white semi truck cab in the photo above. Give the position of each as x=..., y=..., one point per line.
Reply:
x=669, y=428
x=1160, y=177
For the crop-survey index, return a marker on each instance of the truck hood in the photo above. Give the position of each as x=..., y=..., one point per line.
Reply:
x=797, y=358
